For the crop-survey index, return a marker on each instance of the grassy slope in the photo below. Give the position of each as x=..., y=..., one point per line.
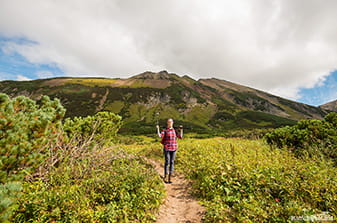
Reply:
x=136, y=100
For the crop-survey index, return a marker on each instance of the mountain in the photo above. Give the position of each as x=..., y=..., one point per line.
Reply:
x=331, y=106
x=149, y=98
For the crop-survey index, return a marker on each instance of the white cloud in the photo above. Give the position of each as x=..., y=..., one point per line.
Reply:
x=44, y=74
x=277, y=46
x=22, y=78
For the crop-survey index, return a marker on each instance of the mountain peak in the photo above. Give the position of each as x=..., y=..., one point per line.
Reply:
x=162, y=75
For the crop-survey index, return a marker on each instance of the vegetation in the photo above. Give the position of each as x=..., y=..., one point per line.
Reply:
x=26, y=130
x=53, y=175
x=79, y=170
x=248, y=120
x=100, y=127
x=308, y=137
x=247, y=181
x=100, y=185
x=92, y=82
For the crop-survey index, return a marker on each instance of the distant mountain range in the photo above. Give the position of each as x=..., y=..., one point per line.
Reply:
x=149, y=98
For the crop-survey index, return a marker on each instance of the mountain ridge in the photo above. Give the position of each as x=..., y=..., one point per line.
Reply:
x=331, y=106
x=151, y=97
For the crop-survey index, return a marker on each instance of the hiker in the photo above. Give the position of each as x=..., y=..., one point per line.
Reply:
x=169, y=140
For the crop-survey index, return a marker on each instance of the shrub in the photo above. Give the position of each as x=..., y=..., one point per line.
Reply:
x=27, y=132
x=101, y=185
x=27, y=129
x=9, y=193
x=101, y=127
x=308, y=137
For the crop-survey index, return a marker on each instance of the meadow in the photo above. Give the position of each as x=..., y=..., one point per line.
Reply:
x=240, y=180
x=81, y=170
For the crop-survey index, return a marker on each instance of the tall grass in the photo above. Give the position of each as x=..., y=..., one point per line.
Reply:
x=247, y=181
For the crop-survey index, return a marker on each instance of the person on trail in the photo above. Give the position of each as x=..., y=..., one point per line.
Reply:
x=169, y=140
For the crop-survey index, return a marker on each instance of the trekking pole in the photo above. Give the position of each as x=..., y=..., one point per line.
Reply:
x=157, y=118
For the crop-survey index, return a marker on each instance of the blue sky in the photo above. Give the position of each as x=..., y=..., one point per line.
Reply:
x=14, y=66
x=287, y=48
x=321, y=94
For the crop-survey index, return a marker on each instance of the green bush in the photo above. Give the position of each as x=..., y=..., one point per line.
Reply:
x=9, y=193
x=101, y=127
x=27, y=132
x=27, y=129
x=308, y=137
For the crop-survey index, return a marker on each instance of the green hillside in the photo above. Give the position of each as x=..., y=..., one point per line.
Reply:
x=149, y=98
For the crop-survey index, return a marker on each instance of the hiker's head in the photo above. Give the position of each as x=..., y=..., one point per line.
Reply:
x=170, y=123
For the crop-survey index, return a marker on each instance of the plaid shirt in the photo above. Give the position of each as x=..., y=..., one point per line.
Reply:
x=169, y=139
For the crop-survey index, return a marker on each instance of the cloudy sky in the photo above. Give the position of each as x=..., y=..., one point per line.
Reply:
x=285, y=47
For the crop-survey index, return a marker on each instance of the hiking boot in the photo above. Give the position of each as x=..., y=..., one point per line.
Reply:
x=169, y=178
x=165, y=178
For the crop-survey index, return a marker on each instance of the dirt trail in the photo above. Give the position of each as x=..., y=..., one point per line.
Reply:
x=179, y=205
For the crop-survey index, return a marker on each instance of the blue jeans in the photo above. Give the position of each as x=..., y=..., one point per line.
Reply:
x=169, y=161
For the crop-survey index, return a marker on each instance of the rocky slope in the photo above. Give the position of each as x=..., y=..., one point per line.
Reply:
x=331, y=106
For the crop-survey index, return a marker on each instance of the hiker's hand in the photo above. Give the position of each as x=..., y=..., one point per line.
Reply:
x=157, y=126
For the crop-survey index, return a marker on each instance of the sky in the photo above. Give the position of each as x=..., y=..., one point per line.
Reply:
x=284, y=47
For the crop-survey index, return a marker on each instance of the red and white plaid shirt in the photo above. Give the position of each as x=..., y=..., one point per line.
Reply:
x=169, y=139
